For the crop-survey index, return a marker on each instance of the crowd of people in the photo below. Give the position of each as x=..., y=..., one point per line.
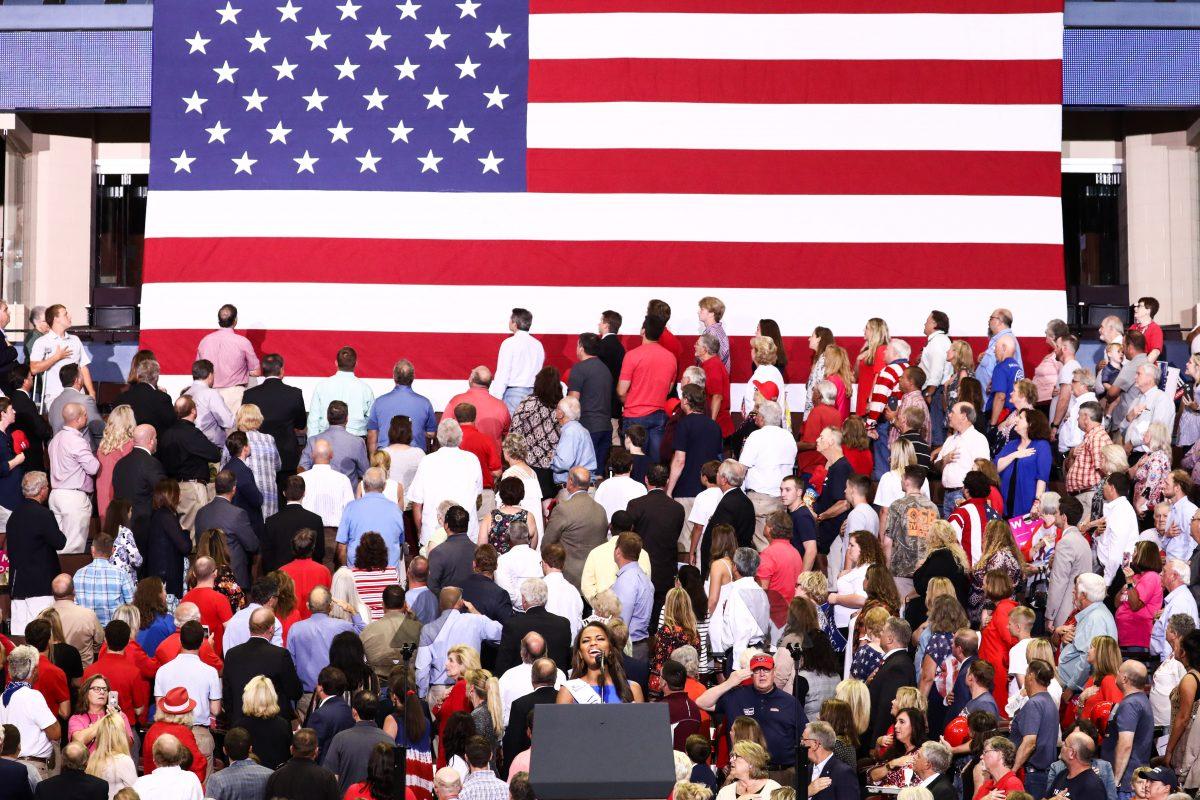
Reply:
x=924, y=574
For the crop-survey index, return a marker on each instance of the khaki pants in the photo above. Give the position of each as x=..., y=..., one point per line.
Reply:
x=25, y=611
x=685, y=535
x=73, y=510
x=764, y=505
x=232, y=395
x=193, y=496
x=207, y=745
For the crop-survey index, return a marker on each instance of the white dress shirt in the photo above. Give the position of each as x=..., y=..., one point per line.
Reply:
x=1119, y=537
x=518, y=682
x=819, y=767
x=449, y=473
x=1183, y=545
x=213, y=417
x=327, y=492
x=520, y=359
x=1070, y=435
x=742, y=616
x=564, y=599
x=970, y=445
x=615, y=493
x=1178, y=601
x=1159, y=408
x=933, y=359
x=769, y=456
x=514, y=567
x=171, y=782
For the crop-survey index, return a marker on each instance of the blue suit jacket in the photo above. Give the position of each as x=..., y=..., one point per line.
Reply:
x=248, y=497
x=845, y=781
x=328, y=721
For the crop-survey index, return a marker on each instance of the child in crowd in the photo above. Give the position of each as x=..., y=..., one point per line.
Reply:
x=1020, y=626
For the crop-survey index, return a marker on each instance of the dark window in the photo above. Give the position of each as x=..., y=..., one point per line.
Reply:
x=120, y=230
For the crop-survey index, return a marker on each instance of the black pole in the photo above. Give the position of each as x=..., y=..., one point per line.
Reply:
x=800, y=780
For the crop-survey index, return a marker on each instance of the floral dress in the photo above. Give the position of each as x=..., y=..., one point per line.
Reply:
x=498, y=533
x=1001, y=560
x=1150, y=477
x=536, y=424
x=669, y=639
x=815, y=376
x=125, y=552
x=227, y=585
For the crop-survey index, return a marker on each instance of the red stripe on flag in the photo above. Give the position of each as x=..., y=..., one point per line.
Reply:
x=529, y=263
x=725, y=81
x=798, y=6
x=884, y=172
x=452, y=356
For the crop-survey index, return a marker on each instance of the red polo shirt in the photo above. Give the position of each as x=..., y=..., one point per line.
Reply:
x=307, y=575
x=474, y=441
x=171, y=647
x=124, y=678
x=491, y=415
x=1008, y=783
x=51, y=683
x=781, y=564
x=650, y=370
x=215, y=611
x=672, y=345
x=716, y=381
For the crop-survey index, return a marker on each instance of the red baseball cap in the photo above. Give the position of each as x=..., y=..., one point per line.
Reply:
x=762, y=661
x=767, y=389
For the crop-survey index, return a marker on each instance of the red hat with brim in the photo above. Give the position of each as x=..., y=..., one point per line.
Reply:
x=176, y=702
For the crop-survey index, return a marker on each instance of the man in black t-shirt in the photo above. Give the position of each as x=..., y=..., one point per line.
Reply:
x=1079, y=779
x=831, y=506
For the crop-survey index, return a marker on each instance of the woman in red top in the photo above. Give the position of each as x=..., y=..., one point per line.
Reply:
x=378, y=785
x=175, y=717
x=872, y=358
x=837, y=372
x=459, y=659
x=999, y=755
x=856, y=447
x=822, y=415
x=997, y=639
x=1105, y=657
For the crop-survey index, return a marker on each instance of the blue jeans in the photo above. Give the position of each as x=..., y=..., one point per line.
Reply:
x=513, y=396
x=881, y=452
x=1036, y=782
x=950, y=501
x=655, y=425
x=601, y=443
x=937, y=419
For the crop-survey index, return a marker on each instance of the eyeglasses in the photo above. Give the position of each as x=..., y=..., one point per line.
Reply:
x=98, y=689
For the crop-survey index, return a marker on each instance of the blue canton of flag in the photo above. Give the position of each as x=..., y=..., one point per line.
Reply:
x=356, y=95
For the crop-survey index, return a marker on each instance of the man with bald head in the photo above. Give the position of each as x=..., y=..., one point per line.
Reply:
x=373, y=512
x=137, y=473
x=258, y=655
x=999, y=327
x=1129, y=737
x=327, y=492
x=73, y=393
x=458, y=623
x=81, y=627
x=73, y=783
x=309, y=639
x=240, y=537
x=578, y=523
x=1005, y=375
x=545, y=678
x=517, y=681
x=73, y=467
x=491, y=415
x=1077, y=753
x=214, y=606
x=185, y=454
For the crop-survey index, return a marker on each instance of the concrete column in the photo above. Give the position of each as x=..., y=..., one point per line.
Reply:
x=62, y=169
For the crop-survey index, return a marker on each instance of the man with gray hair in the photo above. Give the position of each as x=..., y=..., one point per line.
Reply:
x=73, y=467
x=449, y=473
x=932, y=765
x=447, y=783
x=575, y=448
x=26, y=709
x=33, y=555
x=734, y=509
x=554, y=630
x=402, y=401
x=895, y=671
x=832, y=778
x=742, y=616
x=1092, y=619
x=169, y=779
x=578, y=523
x=491, y=415
x=520, y=562
x=1153, y=406
x=1177, y=600
x=957, y=455
x=373, y=512
x=769, y=456
x=73, y=393
x=716, y=382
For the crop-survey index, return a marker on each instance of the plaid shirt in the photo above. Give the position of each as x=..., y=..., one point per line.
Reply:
x=483, y=785
x=264, y=463
x=1084, y=473
x=102, y=586
x=240, y=779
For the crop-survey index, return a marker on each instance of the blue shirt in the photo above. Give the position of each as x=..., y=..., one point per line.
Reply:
x=351, y=390
x=636, y=594
x=151, y=637
x=309, y=640
x=1073, y=669
x=102, y=586
x=452, y=628
x=422, y=603
x=372, y=512
x=402, y=402
x=574, y=450
x=1038, y=717
x=776, y=712
x=1004, y=379
x=1132, y=715
x=983, y=373
x=698, y=437
x=1018, y=481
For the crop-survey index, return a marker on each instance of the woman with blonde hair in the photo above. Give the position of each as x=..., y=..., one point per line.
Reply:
x=1104, y=656
x=211, y=544
x=487, y=710
x=871, y=360
x=763, y=353
x=115, y=444
x=855, y=694
x=1151, y=471
x=748, y=774
x=392, y=488
x=890, y=488
x=269, y=729
x=960, y=363
x=606, y=606
x=868, y=655
x=514, y=451
x=1113, y=459
x=944, y=558
x=460, y=659
x=1037, y=650
x=263, y=460
x=838, y=372
x=679, y=629
x=110, y=760
x=1000, y=553
x=60, y=653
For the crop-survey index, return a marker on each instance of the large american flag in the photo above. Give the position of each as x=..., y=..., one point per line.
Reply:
x=398, y=176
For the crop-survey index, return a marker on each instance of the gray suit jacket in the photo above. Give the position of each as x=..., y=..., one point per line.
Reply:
x=1072, y=558
x=580, y=525
x=95, y=421
x=349, y=452
x=239, y=535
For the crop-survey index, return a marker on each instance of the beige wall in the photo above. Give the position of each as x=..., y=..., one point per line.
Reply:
x=61, y=243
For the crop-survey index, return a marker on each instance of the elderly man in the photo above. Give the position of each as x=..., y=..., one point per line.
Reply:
x=492, y=417
x=752, y=693
x=32, y=554
x=1034, y=730
x=1078, y=778
x=81, y=628
x=309, y=639
x=742, y=617
x=447, y=784
x=351, y=391
x=458, y=623
x=171, y=646
x=327, y=492
x=402, y=401
x=716, y=382
x=832, y=506
x=349, y=452
x=102, y=585
x=73, y=393
x=1152, y=406
x=932, y=765
x=999, y=327
x=1129, y=737
x=213, y=417
x=578, y=523
x=518, y=680
x=186, y=453
x=449, y=473
x=519, y=361
x=1072, y=558
x=259, y=655
x=27, y=711
x=734, y=509
x=201, y=681
x=138, y=472
x=371, y=513
x=73, y=782
x=769, y=456
x=554, y=630
x=574, y=441
x=1085, y=462
x=832, y=778
x=1092, y=619
x=231, y=355
x=54, y=350
x=958, y=454
x=1178, y=600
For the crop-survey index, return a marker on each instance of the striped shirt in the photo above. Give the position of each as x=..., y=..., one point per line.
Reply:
x=887, y=386
x=370, y=584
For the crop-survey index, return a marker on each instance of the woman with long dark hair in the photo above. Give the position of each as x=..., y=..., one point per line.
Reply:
x=691, y=581
x=534, y=421
x=820, y=339
x=381, y=767
x=347, y=654
x=770, y=329
x=156, y=624
x=910, y=734
x=410, y=727
x=597, y=675
x=117, y=520
x=167, y=543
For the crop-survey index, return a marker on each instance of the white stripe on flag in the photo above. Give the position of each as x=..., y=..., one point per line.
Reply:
x=874, y=37
x=339, y=306
x=606, y=217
